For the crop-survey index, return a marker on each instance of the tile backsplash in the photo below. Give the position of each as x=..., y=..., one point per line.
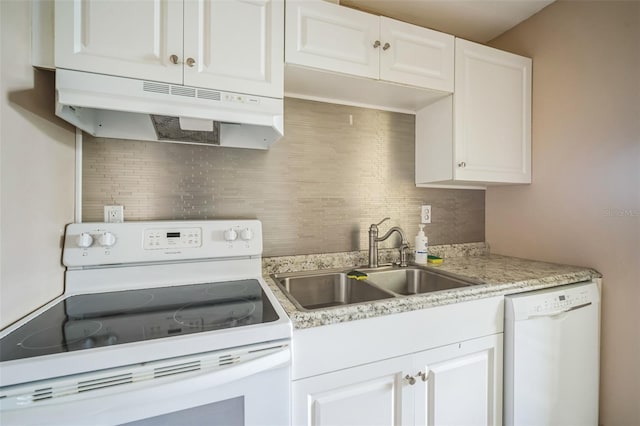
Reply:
x=337, y=170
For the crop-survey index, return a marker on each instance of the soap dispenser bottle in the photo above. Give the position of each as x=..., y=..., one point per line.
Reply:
x=422, y=246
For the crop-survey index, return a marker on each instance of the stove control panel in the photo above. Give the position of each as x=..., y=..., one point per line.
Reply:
x=159, y=239
x=95, y=244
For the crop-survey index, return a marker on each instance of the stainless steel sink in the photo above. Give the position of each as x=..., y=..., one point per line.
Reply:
x=331, y=288
x=319, y=290
x=413, y=280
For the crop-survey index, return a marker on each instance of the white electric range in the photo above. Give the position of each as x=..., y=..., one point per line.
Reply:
x=160, y=323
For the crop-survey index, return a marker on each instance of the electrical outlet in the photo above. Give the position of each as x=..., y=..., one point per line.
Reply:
x=114, y=214
x=425, y=215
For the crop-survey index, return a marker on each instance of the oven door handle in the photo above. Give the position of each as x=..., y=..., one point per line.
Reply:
x=132, y=401
x=236, y=371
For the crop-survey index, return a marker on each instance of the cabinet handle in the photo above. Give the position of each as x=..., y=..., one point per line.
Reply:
x=191, y=62
x=386, y=46
x=462, y=164
x=410, y=379
x=423, y=376
x=173, y=59
x=376, y=44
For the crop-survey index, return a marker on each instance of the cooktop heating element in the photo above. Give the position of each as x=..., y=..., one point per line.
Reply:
x=105, y=319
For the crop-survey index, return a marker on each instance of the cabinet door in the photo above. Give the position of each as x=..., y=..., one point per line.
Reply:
x=332, y=37
x=235, y=45
x=462, y=385
x=416, y=56
x=371, y=395
x=492, y=110
x=128, y=38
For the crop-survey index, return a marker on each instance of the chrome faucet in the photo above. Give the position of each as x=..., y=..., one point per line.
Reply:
x=374, y=240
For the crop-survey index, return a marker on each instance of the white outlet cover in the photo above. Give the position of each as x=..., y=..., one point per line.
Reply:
x=114, y=214
x=425, y=214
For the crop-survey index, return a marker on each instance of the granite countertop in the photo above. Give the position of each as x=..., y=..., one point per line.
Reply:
x=501, y=275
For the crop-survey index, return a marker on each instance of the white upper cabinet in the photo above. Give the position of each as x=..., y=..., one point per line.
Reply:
x=124, y=38
x=482, y=134
x=416, y=56
x=234, y=45
x=330, y=37
x=492, y=110
x=364, y=59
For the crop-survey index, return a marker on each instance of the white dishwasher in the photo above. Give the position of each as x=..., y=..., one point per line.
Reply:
x=551, y=365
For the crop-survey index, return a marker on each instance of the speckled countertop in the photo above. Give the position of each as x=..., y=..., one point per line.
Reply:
x=501, y=275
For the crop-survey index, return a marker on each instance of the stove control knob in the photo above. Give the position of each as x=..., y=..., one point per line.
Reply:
x=107, y=239
x=230, y=235
x=88, y=343
x=84, y=240
x=246, y=234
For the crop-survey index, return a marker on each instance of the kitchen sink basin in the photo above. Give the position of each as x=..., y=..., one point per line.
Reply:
x=332, y=288
x=309, y=291
x=413, y=280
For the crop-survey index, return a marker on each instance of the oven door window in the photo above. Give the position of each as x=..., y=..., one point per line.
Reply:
x=228, y=413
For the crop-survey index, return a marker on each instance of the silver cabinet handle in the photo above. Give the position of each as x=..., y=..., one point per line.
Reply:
x=173, y=59
x=386, y=46
x=376, y=44
x=423, y=376
x=462, y=164
x=190, y=62
x=410, y=379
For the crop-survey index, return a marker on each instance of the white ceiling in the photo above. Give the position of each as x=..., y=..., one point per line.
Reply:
x=475, y=20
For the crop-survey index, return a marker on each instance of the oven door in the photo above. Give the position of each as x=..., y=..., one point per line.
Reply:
x=244, y=386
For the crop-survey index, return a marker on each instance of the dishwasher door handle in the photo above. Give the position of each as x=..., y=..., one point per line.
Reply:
x=560, y=312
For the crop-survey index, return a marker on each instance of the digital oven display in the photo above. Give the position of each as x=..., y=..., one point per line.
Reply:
x=172, y=238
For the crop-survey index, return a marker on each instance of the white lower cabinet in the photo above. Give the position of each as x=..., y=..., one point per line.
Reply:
x=372, y=394
x=458, y=384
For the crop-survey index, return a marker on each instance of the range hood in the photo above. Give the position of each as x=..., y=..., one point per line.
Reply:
x=126, y=108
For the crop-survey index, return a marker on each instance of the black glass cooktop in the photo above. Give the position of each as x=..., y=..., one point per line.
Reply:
x=104, y=319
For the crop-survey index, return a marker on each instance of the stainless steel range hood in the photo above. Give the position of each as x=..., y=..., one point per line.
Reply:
x=125, y=108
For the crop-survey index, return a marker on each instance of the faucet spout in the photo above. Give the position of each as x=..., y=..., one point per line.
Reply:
x=391, y=231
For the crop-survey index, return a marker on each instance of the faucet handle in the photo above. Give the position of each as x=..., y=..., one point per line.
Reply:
x=383, y=220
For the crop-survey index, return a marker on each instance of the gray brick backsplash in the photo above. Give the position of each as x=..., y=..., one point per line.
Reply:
x=316, y=190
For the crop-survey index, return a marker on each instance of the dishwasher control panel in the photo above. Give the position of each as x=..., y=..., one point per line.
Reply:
x=563, y=300
x=552, y=301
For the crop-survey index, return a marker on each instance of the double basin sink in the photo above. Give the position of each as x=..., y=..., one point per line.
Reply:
x=333, y=288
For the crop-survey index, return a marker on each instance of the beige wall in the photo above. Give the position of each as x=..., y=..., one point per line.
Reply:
x=37, y=173
x=316, y=190
x=584, y=204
